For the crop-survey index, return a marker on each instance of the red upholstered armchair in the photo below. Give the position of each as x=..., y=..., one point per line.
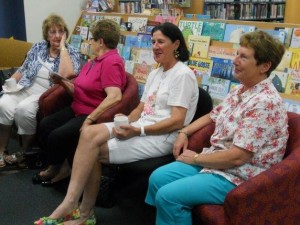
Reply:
x=56, y=98
x=272, y=197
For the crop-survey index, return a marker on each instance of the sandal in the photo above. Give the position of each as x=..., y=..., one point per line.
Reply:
x=91, y=220
x=2, y=160
x=49, y=221
x=14, y=158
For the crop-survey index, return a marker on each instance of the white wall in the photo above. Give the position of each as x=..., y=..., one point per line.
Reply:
x=37, y=10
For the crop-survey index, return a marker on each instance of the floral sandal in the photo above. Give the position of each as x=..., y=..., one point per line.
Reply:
x=2, y=160
x=74, y=215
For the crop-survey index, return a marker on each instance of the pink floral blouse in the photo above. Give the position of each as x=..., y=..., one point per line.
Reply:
x=255, y=120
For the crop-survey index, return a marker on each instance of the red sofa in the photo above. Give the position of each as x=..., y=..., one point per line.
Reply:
x=272, y=197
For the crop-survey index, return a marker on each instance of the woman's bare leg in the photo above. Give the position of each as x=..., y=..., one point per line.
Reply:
x=91, y=146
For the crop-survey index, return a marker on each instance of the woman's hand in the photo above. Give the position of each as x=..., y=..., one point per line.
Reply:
x=63, y=41
x=126, y=132
x=181, y=142
x=187, y=156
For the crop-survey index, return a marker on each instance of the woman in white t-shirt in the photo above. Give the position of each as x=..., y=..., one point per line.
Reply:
x=168, y=104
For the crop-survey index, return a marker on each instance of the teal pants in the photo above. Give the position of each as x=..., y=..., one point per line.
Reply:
x=174, y=189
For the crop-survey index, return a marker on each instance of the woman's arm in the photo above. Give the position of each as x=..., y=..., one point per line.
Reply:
x=136, y=113
x=114, y=96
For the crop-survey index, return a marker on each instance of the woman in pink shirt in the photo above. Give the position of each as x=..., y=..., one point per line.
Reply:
x=98, y=87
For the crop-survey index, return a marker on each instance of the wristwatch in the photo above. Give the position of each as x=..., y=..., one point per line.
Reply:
x=143, y=134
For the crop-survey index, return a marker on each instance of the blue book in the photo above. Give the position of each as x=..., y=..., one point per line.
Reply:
x=233, y=32
x=75, y=40
x=278, y=34
x=126, y=52
x=145, y=40
x=215, y=30
x=222, y=68
x=132, y=41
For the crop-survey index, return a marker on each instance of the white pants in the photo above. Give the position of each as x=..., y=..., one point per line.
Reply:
x=139, y=148
x=22, y=108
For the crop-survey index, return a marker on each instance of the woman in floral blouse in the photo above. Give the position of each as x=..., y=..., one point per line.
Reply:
x=250, y=136
x=21, y=105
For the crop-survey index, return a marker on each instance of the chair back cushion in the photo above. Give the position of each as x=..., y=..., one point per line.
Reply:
x=294, y=133
x=204, y=104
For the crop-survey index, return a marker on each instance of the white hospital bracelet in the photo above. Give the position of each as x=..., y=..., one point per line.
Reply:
x=142, y=131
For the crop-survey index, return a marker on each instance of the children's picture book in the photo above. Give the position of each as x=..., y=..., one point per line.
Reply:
x=117, y=19
x=145, y=40
x=285, y=61
x=141, y=71
x=141, y=88
x=85, y=48
x=222, y=68
x=200, y=45
x=126, y=52
x=218, y=87
x=214, y=29
x=293, y=83
x=132, y=41
x=221, y=52
x=295, y=61
x=189, y=27
x=295, y=40
x=288, y=35
x=120, y=48
x=279, y=80
x=292, y=105
x=139, y=24
x=84, y=32
x=75, y=40
x=201, y=67
x=277, y=34
x=140, y=55
x=233, y=32
x=129, y=65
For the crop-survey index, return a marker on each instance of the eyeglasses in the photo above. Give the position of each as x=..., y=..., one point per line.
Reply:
x=54, y=32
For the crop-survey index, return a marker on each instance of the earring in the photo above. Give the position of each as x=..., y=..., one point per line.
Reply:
x=176, y=53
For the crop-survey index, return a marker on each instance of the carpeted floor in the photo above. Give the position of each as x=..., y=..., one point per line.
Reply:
x=22, y=202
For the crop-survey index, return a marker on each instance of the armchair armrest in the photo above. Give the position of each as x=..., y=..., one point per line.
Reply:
x=271, y=196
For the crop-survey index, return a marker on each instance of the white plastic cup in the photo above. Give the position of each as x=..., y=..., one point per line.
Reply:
x=11, y=84
x=120, y=120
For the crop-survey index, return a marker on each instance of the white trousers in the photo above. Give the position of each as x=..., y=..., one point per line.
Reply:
x=22, y=108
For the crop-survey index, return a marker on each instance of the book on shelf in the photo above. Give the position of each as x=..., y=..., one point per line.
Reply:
x=293, y=83
x=199, y=45
x=120, y=48
x=141, y=88
x=279, y=80
x=214, y=29
x=295, y=40
x=233, y=85
x=129, y=65
x=145, y=40
x=285, y=61
x=141, y=71
x=140, y=55
x=189, y=27
x=75, y=41
x=218, y=87
x=223, y=68
x=126, y=52
x=288, y=35
x=132, y=41
x=292, y=105
x=85, y=48
x=84, y=32
x=277, y=34
x=139, y=24
x=201, y=67
x=295, y=61
x=117, y=19
x=221, y=52
x=233, y=32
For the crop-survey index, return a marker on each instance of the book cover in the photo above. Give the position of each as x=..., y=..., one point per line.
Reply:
x=295, y=40
x=218, y=87
x=145, y=40
x=292, y=105
x=139, y=24
x=126, y=52
x=293, y=83
x=140, y=55
x=223, y=68
x=120, y=48
x=117, y=19
x=277, y=34
x=85, y=48
x=84, y=32
x=201, y=67
x=141, y=71
x=75, y=40
x=132, y=41
x=279, y=80
x=295, y=61
x=285, y=61
x=189, y=27
x=129, y=65
x=200, y=45
x=233, y=32
x=141, y=88
x=221, y=52
x=288, y=35
x=214, y=29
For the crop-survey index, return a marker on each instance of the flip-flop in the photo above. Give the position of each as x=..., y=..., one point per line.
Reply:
x=14, y=158
x=2, y=160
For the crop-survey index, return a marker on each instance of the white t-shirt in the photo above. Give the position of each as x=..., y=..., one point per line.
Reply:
x=174, y=87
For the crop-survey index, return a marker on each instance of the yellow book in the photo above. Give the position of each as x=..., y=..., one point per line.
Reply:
x=200, y=45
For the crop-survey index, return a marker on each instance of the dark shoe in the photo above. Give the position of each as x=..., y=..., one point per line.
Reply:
x=50, y=183
x=38, y=179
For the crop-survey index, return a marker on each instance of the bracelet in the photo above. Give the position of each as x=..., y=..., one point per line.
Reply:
x=196, y=157
x=143, y=134
x=183, y=132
